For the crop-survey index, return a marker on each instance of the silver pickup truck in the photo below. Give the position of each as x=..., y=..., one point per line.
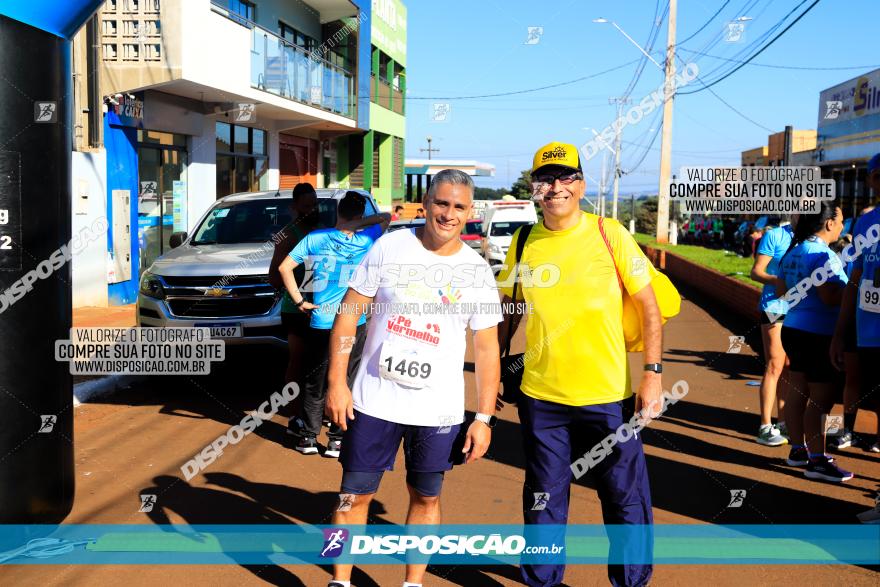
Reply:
x=218, y=277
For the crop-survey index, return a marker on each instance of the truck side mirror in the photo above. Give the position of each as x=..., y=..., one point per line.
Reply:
x=176, y=239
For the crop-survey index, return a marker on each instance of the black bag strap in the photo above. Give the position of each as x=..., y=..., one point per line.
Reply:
x=520, y=246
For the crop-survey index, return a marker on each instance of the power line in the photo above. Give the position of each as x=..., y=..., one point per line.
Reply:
x=794, y=67
x=761, y=50
x=707, y=23
x=560, y=84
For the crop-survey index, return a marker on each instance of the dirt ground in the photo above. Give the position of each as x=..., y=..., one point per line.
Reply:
x=135, y=440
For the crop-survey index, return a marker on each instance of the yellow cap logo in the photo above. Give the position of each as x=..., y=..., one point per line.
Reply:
x=556, y=154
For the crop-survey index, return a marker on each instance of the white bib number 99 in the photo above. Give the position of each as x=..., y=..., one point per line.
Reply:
x=869, y=297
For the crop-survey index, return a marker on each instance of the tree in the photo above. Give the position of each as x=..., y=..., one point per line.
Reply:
x=489, y=193
x=646, y=216
x=522, y=187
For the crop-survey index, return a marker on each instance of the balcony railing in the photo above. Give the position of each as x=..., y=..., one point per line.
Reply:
x=386, y=95
x=283, y=69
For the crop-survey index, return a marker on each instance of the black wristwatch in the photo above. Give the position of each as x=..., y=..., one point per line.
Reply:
x=655, y=367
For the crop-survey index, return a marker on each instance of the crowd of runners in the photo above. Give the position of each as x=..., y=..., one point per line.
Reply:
x=820, y=324
x=399, y=375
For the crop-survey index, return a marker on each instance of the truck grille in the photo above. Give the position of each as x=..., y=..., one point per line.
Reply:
x=219, y=296
x=220, y=308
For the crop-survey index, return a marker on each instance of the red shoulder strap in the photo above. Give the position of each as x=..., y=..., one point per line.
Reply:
x=610, y=250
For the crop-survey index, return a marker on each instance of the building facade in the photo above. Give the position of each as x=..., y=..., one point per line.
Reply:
x=849, y=135
x=193, y=100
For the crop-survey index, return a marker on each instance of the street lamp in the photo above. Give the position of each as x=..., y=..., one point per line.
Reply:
x=601, y=20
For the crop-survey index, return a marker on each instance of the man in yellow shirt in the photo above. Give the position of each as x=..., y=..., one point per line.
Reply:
x=576, y=385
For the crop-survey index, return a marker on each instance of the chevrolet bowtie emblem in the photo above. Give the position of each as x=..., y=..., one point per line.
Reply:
x=216, y=292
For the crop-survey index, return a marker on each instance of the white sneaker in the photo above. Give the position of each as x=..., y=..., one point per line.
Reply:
x=769, y=435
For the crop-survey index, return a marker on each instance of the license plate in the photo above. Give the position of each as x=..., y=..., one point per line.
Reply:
x=223, y=330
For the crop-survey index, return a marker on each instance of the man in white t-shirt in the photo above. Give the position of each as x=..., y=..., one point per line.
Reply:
x=424, y=289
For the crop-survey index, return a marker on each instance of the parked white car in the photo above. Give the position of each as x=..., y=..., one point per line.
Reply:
x=500, y=221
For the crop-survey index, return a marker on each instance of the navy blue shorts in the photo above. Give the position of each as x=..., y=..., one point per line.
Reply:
x=370, y=446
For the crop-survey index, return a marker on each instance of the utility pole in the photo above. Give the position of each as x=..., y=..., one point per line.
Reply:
x=429, y=149
x=620, y=102
x=666, y=141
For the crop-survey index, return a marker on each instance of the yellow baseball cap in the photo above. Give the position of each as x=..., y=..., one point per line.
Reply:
x=556, y=153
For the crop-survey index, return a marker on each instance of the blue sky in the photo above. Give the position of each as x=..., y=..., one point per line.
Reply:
x=476, y=47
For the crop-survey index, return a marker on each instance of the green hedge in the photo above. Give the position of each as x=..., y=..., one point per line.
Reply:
x=722, y=261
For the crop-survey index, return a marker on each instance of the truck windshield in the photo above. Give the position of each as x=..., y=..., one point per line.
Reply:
x=253, y=222
x=506, y=228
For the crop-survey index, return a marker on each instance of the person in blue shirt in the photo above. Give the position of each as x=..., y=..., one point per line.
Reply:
x=812, y=281
x=771, y=248
x=334, y=254
x=860, y=312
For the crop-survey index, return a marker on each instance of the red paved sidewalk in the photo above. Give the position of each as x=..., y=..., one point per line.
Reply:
x=111, y=316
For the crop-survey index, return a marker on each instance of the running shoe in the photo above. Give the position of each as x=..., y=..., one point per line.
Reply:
x=769, y=436
x=875, y=447
x=335, y=584
x=871, y=516
x=798, y=457
x=333, y=448
x=295, y=426
x=307, y=445
x=823, y=467
x=783, y=430
x=844, y=440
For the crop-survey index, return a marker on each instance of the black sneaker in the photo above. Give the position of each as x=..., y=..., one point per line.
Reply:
x=307, y=445
x=295, y=426
x=824, y=468
x=333, y=448
x=798, y=457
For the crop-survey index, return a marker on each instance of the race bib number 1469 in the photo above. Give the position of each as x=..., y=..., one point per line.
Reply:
x=405, y=366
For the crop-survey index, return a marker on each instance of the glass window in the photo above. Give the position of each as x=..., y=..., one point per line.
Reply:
x=259, y=142
x=243, y=8
x=242, y=141
x=224, y=137
x=472, y=228
x=243, y=222
x=506, y=228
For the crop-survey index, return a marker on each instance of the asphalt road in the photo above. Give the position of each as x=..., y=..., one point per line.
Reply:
x=135, y=440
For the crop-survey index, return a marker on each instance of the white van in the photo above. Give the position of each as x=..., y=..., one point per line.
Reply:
x=500, y=221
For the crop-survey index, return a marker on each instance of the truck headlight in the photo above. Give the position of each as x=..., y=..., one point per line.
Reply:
x=151, y=286
x=495, y=249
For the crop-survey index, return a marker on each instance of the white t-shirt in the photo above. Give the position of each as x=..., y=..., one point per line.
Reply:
x=412, y=368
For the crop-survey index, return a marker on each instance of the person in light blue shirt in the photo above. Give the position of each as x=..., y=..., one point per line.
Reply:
x=812, y=279
x=860, y=314
x=334, y=254
x=771, y=248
